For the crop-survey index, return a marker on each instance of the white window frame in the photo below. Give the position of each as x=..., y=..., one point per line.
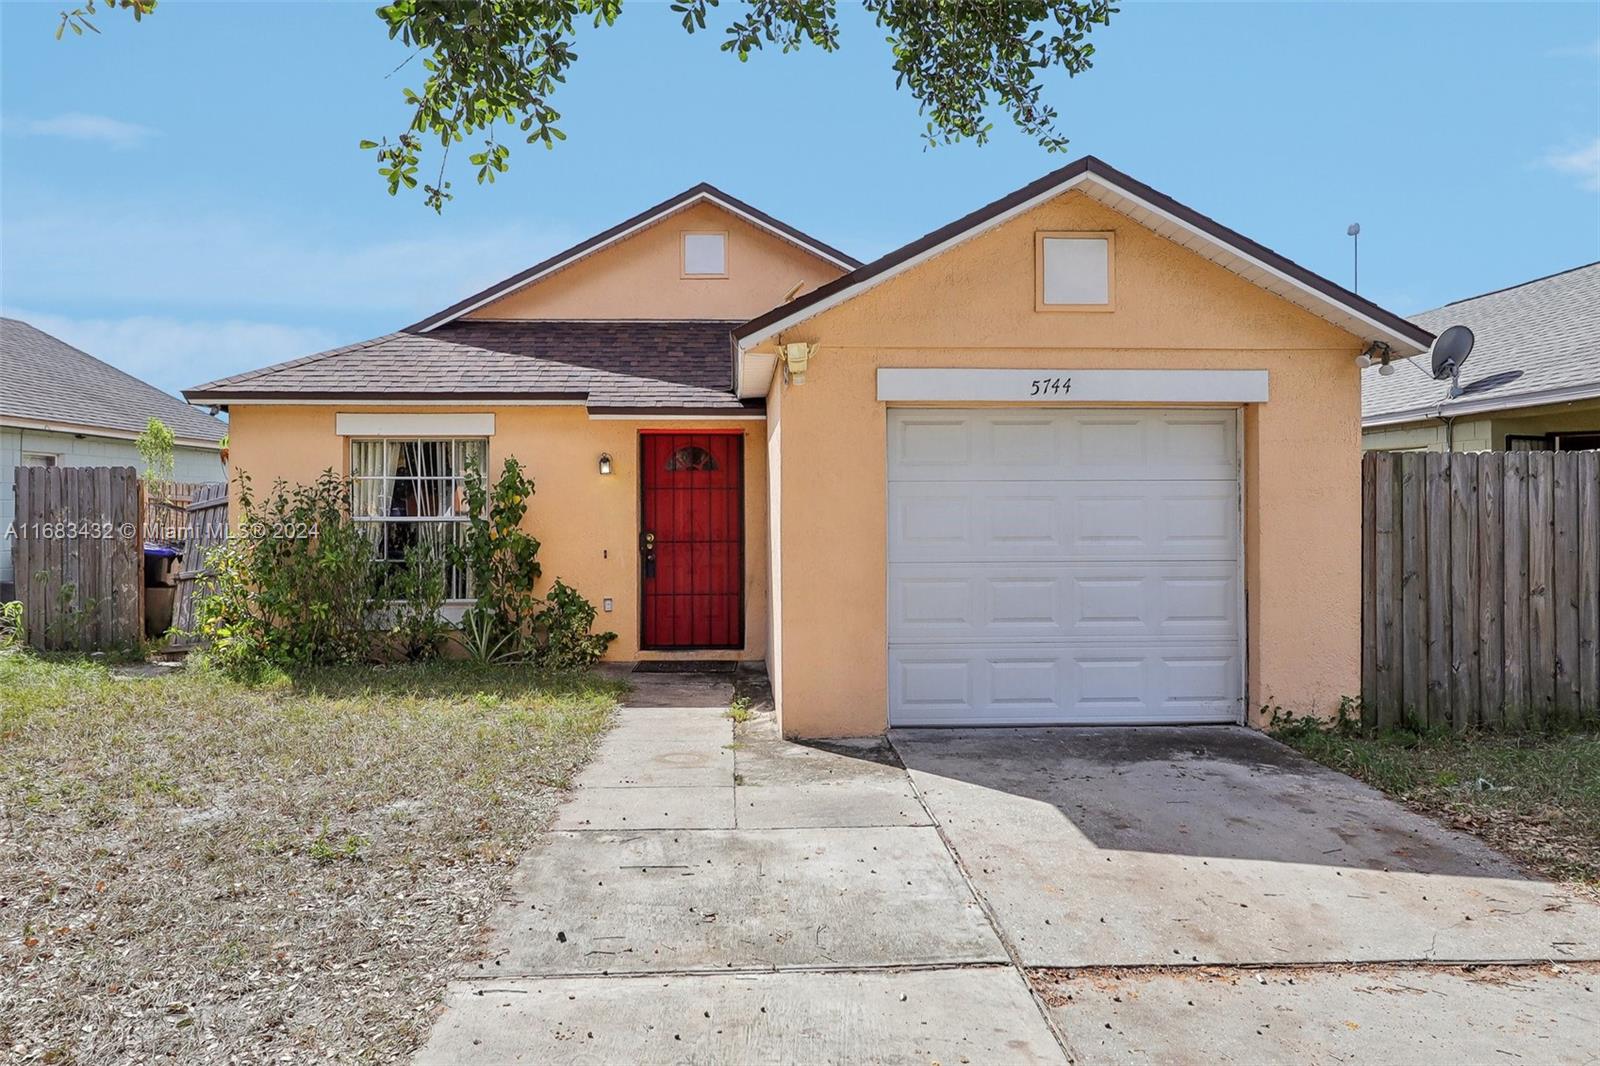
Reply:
x=456, y=490
x=721, y=235
x=31, y=459
x=1109, y=237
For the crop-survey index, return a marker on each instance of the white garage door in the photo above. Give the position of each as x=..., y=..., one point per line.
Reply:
x=1050, y=566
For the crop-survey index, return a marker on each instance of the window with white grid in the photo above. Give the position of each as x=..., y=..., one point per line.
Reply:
x=412, y=491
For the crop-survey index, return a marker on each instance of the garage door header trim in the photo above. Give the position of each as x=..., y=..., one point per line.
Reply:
x=1036, y=385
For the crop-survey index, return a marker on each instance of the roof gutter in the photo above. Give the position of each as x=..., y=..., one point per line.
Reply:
x=1483, y=405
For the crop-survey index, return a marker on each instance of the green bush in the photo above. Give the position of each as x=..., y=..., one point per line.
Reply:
x=413, y=594
x=501, y=561
x=12, y=630
x=295, y=583
x=565, y=640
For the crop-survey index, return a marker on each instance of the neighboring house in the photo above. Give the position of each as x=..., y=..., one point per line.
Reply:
x=63, y=407
x=1083, y=455
x=1532, y=382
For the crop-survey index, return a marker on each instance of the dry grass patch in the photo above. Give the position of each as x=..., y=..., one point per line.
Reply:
x=1536, y=798
x=196, y=869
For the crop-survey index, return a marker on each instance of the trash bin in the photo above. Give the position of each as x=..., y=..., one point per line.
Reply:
x=160, y=587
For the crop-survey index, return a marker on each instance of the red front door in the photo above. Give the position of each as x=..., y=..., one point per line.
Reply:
x=692, y=539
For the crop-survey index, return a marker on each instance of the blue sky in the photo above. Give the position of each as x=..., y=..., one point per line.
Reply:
x=184, y=197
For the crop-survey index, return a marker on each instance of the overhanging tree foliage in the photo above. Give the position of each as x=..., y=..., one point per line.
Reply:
x=494, y=65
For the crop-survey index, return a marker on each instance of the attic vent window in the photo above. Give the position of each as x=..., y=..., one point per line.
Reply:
x=705, y=255
x=1074, y=271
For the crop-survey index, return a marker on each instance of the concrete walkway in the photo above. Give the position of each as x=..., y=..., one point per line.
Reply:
x=706, y=899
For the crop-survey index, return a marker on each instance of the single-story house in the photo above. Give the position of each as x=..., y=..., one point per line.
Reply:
x=63, y=407
x=1532, y=382
x=1082, y=455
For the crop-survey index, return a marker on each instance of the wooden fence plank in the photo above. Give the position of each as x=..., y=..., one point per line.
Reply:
x=1463, y=589
x=127, y=559
x=1589, y=586
x=1564, y=584
x=55, y=574
x=1386, y=701
x=1437, y=546
x=108, y=599
x=1515, y=589
x=1369, y=579
x=1541, y=602
x=22, y=547
x=83, y=552
x=1413, y=586
x=1491, y=587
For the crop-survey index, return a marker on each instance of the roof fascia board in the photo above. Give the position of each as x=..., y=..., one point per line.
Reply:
x=356, y=399
x=1483, y=405
x=651, y=218
x=78, y=428
x=1086, y=176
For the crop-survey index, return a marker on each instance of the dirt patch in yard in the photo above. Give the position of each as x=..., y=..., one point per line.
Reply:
x=1055, y=986
x=1535, y=798
x=193, y=869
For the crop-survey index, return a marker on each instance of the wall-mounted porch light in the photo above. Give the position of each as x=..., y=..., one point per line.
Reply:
x=605, y=462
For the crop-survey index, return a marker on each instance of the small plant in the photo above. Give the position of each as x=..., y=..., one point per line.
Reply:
x=13, y=631
x=413, y=591
x=69, y=615
x=485, y=642
x=325, y=849
x=739, y=709
x=155, y=446
x=565, y=640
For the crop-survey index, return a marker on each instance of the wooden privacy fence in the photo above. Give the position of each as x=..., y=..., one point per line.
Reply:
x=1481, y=589
x=79, y=556
x=205, y=530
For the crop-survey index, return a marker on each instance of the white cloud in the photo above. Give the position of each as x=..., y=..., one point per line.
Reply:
x=189, y=261
x=174, y=354
x=78, y=126
x=1582, y=163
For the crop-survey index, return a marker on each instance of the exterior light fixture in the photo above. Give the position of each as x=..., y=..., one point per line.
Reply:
x=605, y=463
x=796, y=357
x=1377, y=353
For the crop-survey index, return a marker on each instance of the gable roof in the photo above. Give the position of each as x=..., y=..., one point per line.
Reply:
x=701, y=193
x=1536, y=343
x=1161, y=213
x=612, y=367
x=49, y=382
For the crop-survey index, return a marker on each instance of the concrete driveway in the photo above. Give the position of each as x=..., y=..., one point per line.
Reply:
x=1006, y=896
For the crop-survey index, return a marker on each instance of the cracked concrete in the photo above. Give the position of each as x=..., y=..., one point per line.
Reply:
x=713, y=897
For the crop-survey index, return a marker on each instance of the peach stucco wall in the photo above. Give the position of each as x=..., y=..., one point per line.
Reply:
x=587, y=524
x=641, y=277
x=973, y=306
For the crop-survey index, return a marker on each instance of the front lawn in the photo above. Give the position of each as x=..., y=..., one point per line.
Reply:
x=191, y=868
x=1536, y=798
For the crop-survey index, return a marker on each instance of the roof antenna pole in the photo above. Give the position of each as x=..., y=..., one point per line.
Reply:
x=1353, y=231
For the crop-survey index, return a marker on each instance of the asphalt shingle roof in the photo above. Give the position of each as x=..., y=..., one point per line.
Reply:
x=621, y=364
x=1530, y=339
x=44, y=379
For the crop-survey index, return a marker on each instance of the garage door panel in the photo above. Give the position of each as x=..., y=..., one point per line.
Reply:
x=1064, y=566
x=935, y=685
x=1155, y=520
x=1047, y=444
x=983, y=603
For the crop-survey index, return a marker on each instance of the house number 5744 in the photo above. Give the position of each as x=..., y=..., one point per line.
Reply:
x=1051, y=387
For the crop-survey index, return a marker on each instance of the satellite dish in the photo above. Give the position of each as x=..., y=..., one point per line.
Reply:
x=1450, y=351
